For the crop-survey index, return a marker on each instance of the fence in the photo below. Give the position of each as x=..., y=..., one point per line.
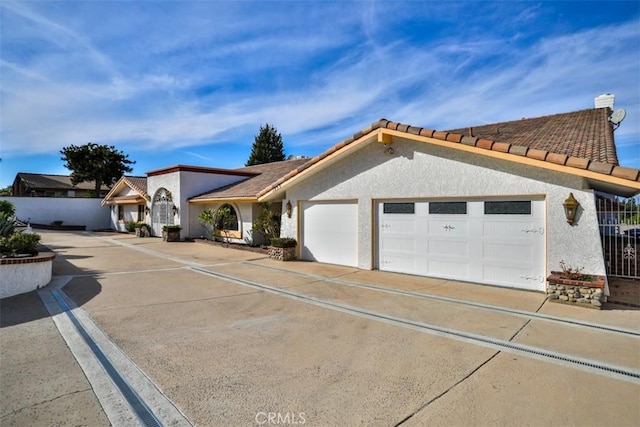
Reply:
x=619, y=222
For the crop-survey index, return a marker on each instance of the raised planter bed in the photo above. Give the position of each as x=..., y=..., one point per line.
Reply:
x=584, y=293
x=25, y=274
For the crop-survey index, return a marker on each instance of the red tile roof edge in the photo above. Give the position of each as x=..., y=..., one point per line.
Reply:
x=608, y=169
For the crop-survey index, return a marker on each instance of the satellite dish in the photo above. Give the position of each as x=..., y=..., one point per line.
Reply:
x=618, y=116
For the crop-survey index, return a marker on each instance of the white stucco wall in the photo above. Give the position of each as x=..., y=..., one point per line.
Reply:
x=72, y=211
x=183, y=185
x=419, y=170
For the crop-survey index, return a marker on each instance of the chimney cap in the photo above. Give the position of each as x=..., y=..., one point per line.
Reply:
x=604, y=100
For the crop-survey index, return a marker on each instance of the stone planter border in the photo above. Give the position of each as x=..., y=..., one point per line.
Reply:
x=576, y=292
x=282, y=254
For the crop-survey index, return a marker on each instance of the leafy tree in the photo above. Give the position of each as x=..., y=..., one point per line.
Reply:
x=7, y=208
x=92, y=162
x=6, y=191
x=267, y=223
x=267, y=147
x=217, y=222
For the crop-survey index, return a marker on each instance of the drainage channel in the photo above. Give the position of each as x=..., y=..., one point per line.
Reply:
x=146, y=416
x=521, y=313
x=618, y=372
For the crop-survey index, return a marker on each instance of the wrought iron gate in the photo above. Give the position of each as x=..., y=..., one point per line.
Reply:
x=161, y=211
x=619, y=222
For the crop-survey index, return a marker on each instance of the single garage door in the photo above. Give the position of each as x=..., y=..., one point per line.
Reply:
x=330, y=232
x=498, y=242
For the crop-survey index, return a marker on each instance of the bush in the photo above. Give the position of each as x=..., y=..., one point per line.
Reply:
x=20, y=243
x=57, y=223
x=7, y=208
x=283, y=242
x=7, y=225
x=171, y=228
x=130, y=226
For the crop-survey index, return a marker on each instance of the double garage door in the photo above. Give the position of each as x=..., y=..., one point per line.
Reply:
x=498, y=242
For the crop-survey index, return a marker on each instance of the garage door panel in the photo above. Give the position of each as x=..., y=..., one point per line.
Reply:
x=501, y=245
x=329, y=232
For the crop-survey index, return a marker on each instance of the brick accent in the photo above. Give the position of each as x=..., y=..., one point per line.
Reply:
x=41, y=257
x=282, y=254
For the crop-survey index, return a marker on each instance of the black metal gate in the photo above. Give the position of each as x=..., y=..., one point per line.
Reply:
x=619, y=222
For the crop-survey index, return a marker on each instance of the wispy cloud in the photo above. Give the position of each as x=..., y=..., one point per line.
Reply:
x=172, y=76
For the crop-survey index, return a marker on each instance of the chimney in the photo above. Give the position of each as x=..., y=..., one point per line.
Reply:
x=605, y=100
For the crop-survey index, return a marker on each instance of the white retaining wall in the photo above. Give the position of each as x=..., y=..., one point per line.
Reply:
x=72, y=211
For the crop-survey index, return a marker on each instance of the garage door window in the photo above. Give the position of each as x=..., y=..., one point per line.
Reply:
x=399, y=208
x=508, y=208
x=448, y=208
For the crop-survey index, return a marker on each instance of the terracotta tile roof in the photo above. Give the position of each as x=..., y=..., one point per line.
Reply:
x=57, y=182
x=585, y=134
x=582, y=140
x=266, y=174
x=138, y=183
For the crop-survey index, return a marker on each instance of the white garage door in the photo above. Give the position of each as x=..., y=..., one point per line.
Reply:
x=498, y=242
x=330, y=232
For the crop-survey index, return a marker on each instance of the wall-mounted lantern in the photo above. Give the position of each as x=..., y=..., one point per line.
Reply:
x=175, y=210
x=288, y=207
x=146, y=210
x=571, y=208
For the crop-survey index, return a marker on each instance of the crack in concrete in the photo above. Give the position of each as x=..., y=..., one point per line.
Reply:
x=16, y=411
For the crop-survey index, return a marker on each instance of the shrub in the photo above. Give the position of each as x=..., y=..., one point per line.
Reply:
x=130, y=226
x=20, y=243
x=7, y=225
x=283, y=242
x=57, y=223
x=171, y=228
x=7, y=208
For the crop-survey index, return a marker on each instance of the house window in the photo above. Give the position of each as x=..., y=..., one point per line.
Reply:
x=232, y=223
x=514, y=207
x=120, y=213
x=140, y=213
x=449, y=208
x=399, y=208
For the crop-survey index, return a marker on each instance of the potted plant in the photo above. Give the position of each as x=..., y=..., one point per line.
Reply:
x=142, y=229
x=171, y=233
x=283, y=248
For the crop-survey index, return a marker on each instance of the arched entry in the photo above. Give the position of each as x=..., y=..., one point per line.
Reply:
x=161, y=211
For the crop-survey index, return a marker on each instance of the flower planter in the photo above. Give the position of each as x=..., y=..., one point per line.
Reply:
x=584, y=293
x=171, y=236
x=282, y=254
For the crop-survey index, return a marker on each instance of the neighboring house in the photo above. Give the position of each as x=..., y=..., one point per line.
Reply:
x=482, y=204
x=42, y=185
x=128, y=200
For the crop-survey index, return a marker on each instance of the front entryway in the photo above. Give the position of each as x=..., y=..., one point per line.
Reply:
x=161, y=211
x=499, y=242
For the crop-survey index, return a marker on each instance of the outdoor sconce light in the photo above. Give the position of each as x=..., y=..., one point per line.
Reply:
x=146, y=210
x=388, y=149
x=288, y=207
x=570, y=208
x=175, y=210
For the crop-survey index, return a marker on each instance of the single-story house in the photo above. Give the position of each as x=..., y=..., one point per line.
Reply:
x=128, y=201
x=484, y=204
x=43, y=185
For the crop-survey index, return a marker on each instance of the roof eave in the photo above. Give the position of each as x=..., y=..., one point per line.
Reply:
x=248, y=199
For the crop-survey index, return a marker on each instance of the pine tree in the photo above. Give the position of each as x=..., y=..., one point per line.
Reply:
x=267, y=147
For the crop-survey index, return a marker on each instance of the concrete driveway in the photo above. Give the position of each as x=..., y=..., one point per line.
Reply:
x=229, y=337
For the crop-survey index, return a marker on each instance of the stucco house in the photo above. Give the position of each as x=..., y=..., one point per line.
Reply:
x=482, y=204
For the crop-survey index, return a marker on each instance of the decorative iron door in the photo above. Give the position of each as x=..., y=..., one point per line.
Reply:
x=161, y=211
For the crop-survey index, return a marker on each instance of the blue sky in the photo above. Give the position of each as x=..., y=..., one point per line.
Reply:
x=191, y=82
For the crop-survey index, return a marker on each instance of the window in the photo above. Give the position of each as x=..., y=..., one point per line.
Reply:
x=508, y=208
x=140, y=213
x=232, y=222
x=399, y=208
x=120, y=213
x=451, y=208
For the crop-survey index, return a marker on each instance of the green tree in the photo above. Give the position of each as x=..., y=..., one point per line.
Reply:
x=92, y=162
x=6, y=191
x=267, y=147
